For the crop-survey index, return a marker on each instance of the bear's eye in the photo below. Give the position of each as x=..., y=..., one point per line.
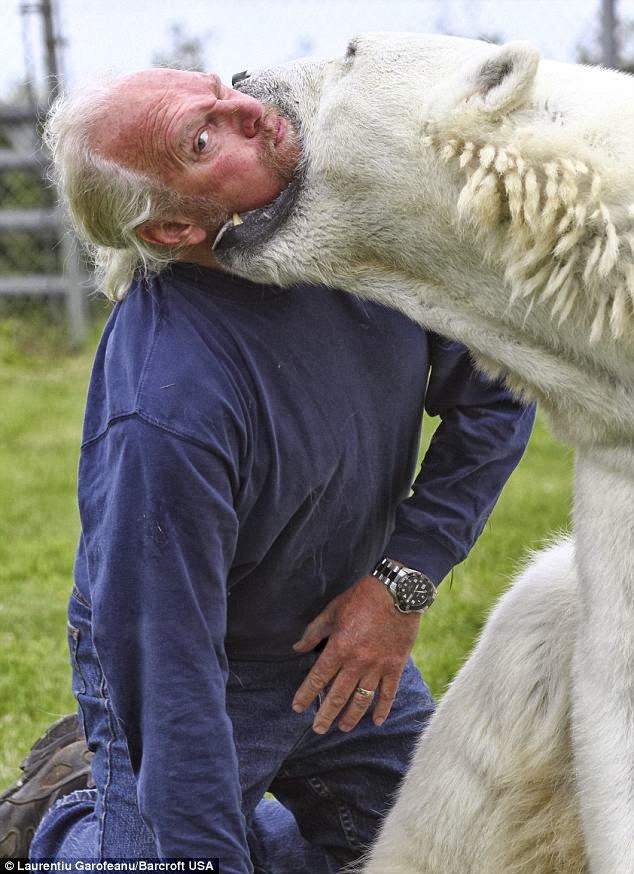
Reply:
x=351, y=51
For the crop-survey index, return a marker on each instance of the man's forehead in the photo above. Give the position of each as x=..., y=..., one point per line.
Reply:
x=164, y=78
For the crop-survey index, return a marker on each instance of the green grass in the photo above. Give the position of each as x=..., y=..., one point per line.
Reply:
x=42, y=391
x=534, y=506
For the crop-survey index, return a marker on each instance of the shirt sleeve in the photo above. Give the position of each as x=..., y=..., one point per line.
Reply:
x=480, y=439
x=158, y=535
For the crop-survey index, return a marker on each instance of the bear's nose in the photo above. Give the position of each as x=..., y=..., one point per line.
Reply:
x=239, y=77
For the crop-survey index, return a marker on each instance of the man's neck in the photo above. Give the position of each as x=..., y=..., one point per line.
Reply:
x=202, y=255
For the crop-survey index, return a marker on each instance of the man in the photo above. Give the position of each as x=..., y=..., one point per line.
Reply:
x=244, y=488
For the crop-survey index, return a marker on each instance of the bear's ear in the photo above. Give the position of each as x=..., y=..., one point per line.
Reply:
x=503, y=81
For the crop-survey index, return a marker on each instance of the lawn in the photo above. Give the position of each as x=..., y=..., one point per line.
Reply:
x=42, y=389
x=534, y=506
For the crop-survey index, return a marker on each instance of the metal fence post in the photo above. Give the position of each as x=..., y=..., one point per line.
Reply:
x=39, y=256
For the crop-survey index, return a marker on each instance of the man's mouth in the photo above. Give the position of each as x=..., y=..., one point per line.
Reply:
x=280, y=133
x=274, y=126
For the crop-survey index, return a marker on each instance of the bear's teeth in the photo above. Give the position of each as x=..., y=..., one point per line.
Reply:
x=235, y=218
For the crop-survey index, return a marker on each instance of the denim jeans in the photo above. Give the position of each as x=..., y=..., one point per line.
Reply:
x=330, y=791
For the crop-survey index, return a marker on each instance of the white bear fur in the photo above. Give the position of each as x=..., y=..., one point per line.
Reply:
x=490, y=196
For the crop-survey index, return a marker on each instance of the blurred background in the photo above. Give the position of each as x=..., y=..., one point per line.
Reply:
x=50, y=317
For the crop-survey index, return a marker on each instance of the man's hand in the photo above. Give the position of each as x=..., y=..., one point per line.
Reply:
x=369, y=642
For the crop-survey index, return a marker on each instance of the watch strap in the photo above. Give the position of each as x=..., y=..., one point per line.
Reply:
x=412, y=590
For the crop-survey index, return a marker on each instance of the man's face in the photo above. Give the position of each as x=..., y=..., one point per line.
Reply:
x=200, y=138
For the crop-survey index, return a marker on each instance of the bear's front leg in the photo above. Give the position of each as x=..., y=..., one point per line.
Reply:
x=603, y=663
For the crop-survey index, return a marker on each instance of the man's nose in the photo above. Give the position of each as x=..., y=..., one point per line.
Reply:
x=242, y=110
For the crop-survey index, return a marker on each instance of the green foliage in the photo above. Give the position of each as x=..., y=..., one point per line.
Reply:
x=43, y=390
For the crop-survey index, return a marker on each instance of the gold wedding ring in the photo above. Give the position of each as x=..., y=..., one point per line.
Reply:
x=366, y=693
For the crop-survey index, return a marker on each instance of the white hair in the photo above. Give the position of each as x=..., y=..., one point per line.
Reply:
x=108, y=201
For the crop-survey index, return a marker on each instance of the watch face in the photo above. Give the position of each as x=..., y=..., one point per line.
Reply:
x=414, y=592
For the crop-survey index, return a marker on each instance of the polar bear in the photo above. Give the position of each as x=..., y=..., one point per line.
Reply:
x=490, y=196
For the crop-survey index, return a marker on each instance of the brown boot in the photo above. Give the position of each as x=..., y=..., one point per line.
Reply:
x=59, y=763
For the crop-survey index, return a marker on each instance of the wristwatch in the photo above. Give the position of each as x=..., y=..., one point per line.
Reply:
x=412, y=591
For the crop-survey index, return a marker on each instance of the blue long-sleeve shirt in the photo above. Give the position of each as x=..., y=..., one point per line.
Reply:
x=248, y=454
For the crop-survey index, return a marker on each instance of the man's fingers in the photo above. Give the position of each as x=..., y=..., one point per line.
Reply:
x=359, y=697
x=316, y=681
x=346, y=692
x=342, y=693
x=361, y=700
x=307, y=642
x=385, y=698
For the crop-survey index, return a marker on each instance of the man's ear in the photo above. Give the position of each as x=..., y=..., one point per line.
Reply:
x=172, y=235
x=503, y=81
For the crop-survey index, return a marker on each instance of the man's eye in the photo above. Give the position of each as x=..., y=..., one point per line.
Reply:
x=201, y=140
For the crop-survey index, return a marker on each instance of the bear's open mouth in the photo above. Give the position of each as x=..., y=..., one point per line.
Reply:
x=255, y=227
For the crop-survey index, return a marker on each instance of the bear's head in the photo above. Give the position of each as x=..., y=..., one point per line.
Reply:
x=459, y=165
x=372, y=171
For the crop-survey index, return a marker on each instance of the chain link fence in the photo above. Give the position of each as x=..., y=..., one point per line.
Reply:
x=29, y=243
x=38, y=258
